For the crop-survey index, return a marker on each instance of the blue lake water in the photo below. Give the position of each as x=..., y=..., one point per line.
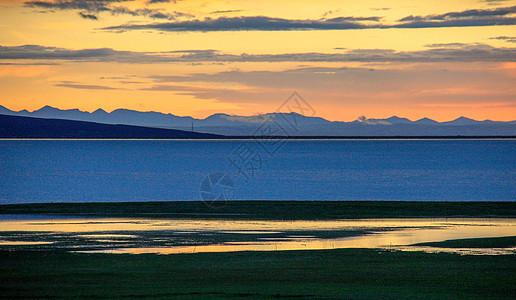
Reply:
x=44, y=171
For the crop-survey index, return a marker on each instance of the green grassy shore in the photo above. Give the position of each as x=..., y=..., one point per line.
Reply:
x=324, y=274
x=319, y=274
x=497, y=242
x=271, y=210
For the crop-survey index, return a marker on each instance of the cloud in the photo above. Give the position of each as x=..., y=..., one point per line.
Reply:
x=330, y=12
x=472, y=13
x=88, y=16
x=29, y=64
x=243, y=23
x=315, y=78
x=446, y=45
x=454, y=52
x=226, y=11
x=473, y=22
x=183, y=88
x=205, y=51
x=510, y=39
x=151, y=13
x=418, y=84
x=474, y=17
x=85, y=86
x=495, y=2
x=467, y=18
x=158, y=1
x=161, y=1
x=54, y=53
x=92, y=7
x=340, y=19
x=363, y=119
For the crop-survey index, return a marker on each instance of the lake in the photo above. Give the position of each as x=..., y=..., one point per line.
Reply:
x=43, y=171
x=175, y=236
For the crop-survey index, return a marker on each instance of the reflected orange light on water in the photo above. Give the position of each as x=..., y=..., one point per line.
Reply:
x=385, y=232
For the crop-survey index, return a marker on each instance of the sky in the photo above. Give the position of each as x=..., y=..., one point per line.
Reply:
x=437, y=59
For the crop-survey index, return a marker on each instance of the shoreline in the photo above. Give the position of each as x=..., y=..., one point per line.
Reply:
x=34, y=271
x=270, y=210
x=245, y=137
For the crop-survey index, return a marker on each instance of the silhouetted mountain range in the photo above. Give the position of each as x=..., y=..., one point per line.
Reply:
x=28, y=127
x=289, y=123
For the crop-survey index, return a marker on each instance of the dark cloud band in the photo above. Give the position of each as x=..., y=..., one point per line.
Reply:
x=510, y=39
x=92, y=7
x=454, y=52
x=471, y=13
x=467, y=18
x=85, y=86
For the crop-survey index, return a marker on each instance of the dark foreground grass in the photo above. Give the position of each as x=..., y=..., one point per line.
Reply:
x=344, y=273
x=496, y=242
x=272, y=210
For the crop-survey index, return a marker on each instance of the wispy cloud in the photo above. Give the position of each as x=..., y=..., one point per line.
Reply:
x=85, y=86
x=510, y=39
x=158, y=1
x=453, y=52
x=226, y=11
x=468, y=22
x=340, y=19
x=88, y=16
x=243, y=23
x=475, y=17
x=365, y=120
x=91, y=8
x=151, y=13
x=29, y=64
x=54, y=53
x=467, y=18
x=472, y=13
x=345, y=85
x=495, y=2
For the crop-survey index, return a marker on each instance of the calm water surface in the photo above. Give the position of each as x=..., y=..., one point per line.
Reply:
x=42, y=171
x=167, y=236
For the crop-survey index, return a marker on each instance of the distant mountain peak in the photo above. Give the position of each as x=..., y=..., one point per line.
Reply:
x=4, y=109
x=218, y=115
x=463, y=118
x=389, y=121
x=47, y=108
x=426, y=121
x=99, y=111
x=294, y=122
x=397, y=120
x=462, y=121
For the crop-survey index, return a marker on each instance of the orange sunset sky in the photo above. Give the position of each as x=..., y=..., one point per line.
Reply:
x=437, y=59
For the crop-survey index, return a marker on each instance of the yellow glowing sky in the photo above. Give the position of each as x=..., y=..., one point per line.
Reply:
x=338, y=90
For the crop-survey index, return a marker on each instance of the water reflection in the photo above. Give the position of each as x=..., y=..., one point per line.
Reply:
x=156, y=236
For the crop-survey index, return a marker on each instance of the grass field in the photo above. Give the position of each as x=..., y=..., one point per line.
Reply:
x=311, y=274
x=346, y=273
x=498, y=242
x=273, y=210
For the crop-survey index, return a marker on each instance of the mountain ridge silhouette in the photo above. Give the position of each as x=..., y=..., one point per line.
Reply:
x=292, y=124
